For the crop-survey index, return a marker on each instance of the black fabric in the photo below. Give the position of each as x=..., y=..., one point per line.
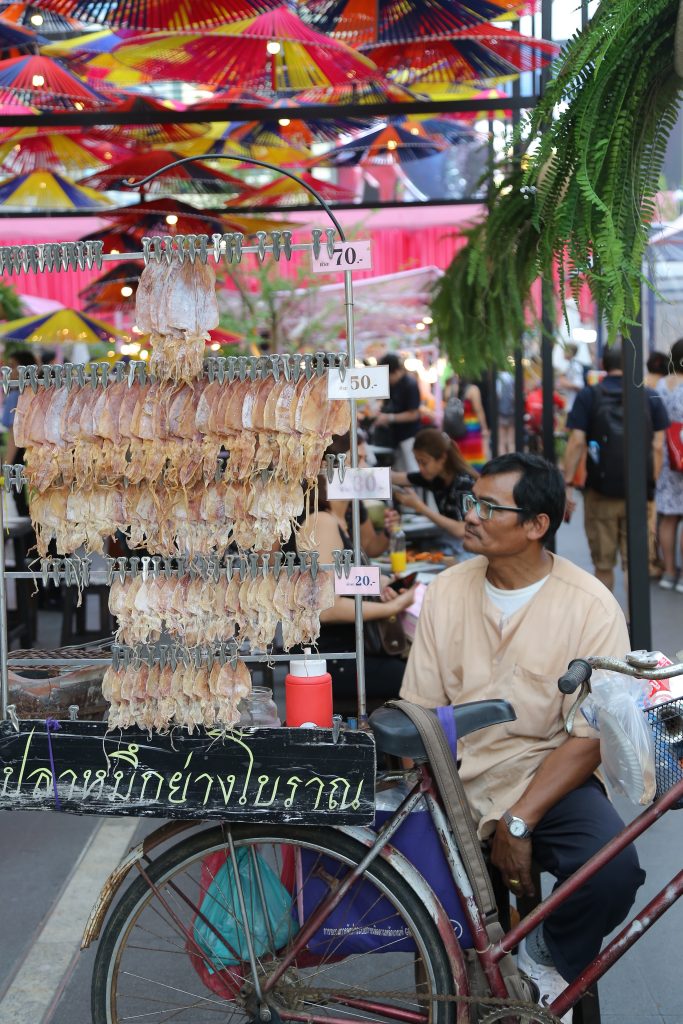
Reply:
x=448, y=497
x=405, y=396
x=566, y=837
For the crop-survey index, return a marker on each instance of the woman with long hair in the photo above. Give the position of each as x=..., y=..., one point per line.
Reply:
x=474, y=446
x=445, y=473
x=669, y=489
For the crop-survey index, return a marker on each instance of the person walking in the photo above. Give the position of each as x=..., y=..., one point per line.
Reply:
x=669, y=492
x=596, y=424
x=401, y=411
x=474, y=441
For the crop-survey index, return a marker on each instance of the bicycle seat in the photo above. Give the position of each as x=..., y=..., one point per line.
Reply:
x=396, y=734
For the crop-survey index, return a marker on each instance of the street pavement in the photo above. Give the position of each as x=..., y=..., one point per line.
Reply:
x=53, y=865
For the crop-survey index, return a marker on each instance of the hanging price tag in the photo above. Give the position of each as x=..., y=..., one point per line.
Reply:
x=363, y=579
x=346, y=256
x=369, y=483
x=364, y=382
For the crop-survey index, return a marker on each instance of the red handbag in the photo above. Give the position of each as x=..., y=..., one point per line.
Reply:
x=674, y=444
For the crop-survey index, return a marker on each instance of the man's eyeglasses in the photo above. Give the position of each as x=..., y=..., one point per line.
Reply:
x=485, y=509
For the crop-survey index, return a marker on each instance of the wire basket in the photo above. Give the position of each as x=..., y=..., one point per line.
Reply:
x=666, y=722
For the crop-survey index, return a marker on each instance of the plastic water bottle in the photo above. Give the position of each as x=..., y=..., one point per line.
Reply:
x=398, y=554
x=308, y=693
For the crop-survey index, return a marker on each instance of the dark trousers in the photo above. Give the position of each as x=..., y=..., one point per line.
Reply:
x=565, y=838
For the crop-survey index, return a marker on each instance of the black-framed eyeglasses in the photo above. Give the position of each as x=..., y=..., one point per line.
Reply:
x=485, y=509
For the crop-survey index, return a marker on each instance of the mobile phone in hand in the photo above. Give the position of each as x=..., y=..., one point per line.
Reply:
x=404, y=583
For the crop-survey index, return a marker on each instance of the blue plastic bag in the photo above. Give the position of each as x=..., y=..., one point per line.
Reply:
x=221, y=908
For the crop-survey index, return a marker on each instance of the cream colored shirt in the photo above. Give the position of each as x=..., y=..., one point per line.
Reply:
x=461, y=653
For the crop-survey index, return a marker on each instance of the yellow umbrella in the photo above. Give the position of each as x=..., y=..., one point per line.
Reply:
x=91, y=56
x=43, y=190
x=59, y=328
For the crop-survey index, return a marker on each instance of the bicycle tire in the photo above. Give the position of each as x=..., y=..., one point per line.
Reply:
x=110, y=969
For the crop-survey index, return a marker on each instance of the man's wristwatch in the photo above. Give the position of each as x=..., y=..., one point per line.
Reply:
x=517, y=827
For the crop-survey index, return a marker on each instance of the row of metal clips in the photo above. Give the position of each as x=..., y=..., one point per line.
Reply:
x=50, y=256
x=163, y=654
x=230, y=246
x=72, y=571
x=220, y=368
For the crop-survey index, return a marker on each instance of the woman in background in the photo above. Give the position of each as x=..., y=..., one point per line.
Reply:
x=669, y=489
x=474, y=445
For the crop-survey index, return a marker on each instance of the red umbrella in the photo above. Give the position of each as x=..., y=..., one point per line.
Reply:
x=23, y=150
x=140, y=127
x=275, y=52
x=115, y=240
x=24, y=14
x=483, y=53
x=15, y=40
x=170, y=216
x=285, y=192
x=160, y=15
x=193, y=177
x=114, y=290
x=45, y=83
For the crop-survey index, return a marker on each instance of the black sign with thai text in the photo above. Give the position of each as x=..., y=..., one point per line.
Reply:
x=284, y=775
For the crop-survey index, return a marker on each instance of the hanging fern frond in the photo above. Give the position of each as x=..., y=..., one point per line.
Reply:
x=586, y=199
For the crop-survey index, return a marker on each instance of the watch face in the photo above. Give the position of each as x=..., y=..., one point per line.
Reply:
x=517, y=828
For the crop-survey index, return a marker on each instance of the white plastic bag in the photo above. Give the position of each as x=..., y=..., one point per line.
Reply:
x=627, y=745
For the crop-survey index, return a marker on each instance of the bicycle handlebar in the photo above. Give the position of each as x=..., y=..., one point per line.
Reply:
x=581, y=669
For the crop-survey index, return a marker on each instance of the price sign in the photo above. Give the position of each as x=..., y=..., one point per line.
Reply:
x=369, y=483
x=364, y=382
x=363, y=579
x=346, y=256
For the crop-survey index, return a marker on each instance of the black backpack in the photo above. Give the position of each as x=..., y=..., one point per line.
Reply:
x=606, y=474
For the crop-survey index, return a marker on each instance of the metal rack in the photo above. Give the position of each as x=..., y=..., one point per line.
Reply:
x=228, y=247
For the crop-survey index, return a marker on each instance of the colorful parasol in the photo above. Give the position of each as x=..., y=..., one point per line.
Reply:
x=386, y=144
x=170, y=216
x=158, y=15
x=218, y=140
x=61, y=327
x=485, y=53
x=457, y=91
x=24, y=150
x=386, y=21
x=291, y=132
x=285, y=192
x=140, y=126
x=45, y=83
x=194, y=177
x=115, y=240
x=43, y=190
x=114, y=290
x=35, y=16
x=90, y=55
x=275, y=52
x=15, y=40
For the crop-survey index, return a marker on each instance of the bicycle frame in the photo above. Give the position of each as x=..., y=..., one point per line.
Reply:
x=491, y=955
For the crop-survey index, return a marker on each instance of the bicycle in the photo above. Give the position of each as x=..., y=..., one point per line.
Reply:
x=154, y=965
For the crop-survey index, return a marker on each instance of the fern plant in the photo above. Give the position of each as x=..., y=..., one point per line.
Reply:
x=597, y=142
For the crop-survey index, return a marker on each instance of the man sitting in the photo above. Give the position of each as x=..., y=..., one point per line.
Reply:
x=507, y=624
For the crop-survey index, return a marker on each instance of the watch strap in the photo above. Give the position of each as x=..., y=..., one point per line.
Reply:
x=509, y=818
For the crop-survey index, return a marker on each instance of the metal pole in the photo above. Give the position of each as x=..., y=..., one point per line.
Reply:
x=636, y=440
x=355, y=505
x=4, y=678
x=519, y=399
x=493, y=412
x=548, y=373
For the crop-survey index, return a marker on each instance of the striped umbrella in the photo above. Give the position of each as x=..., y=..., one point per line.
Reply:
x=90, y=55
x=43, y=190
x=401, y=21
x=194, y=177
x=15, y=40
x=113, y=290
x=35, y=16
x=218, y=141
x=159, y=15
x=140, y=126
x=23, y=150
x=285, y=192
x=171, y=216
x=386, y=144
x=116, y=240
x=275, y=52
x=45, y=83
x=484, y=53
x=58, y=328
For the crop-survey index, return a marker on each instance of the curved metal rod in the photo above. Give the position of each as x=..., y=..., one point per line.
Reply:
x=245, y=160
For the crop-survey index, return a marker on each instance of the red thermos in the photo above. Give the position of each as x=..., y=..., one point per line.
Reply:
x=308, y=693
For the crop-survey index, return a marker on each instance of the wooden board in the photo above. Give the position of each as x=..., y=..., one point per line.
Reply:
x=284, y=775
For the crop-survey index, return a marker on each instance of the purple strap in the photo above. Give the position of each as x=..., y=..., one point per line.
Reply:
x=52, y=725
x=446, y=718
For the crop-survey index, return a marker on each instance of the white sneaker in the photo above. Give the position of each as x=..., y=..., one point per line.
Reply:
x=679, y=586
x=667, y=582
x=548, y=980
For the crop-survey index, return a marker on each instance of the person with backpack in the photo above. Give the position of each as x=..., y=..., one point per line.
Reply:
x=596, y=424
x=464, y=420
x=505, y=394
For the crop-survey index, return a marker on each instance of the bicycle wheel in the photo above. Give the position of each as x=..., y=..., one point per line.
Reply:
x=158, y=959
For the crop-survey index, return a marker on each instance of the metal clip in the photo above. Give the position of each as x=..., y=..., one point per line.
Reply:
x=317, y=235
x=261, y=237
x=320, y=363
x=55, y=573
x=210, y=368
x=92, y=372
x=115, y=657
x=253, y=367
x=343, y=365
x=5, y=374
x=274, y=367
x=85, y=572
x=12, y=715
x=287, y=244
x=337, y=560
x=277, y=564
x=220, y=368
x=181, y=562
x=341, y=466
x=330, y=234
x=156, y=566
x=290, y=566
x=191, y=243
x=172, y=656
x=216, y=238
x=111, y=568
x=230, y=368
x=295, y=368
x=145, y=567
x=167, y=567
x=242, y=367
x=79, y=369
x=308, y=365
x=303, y=561
x=315, y=559
x=134, y=563
x=275, y=236
x=330, y=463
x=122, y=564
x=265, y=564
x=347, y=562
x=287, y=366
x=46, y=376
x=45, y=571
x=104, y=374
x=73, y=712
x=253, y=566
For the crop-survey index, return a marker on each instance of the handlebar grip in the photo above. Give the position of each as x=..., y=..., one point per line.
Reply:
x=579, y=672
